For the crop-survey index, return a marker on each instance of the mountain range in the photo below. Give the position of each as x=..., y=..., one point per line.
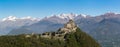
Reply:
x=104, y=28
x=11, y=22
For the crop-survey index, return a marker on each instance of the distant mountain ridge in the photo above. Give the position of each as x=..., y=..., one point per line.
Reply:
x=52, y=23
x=13, y=18
x=11, y=22
x=56, y=19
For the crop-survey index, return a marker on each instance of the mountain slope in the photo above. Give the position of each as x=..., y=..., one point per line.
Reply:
x=107, y=33
x=11, y=22
x=21, y=31
x=80, y=39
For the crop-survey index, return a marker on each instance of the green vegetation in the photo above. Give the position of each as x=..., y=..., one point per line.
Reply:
x=80, y=39
x=77, y=39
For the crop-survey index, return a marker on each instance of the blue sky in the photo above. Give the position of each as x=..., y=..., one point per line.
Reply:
x=42, y=8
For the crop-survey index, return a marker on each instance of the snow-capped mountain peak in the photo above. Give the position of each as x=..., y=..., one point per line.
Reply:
x=28, y=17
x=31, y=18
x=11, y=18
x=83, y=15
x=67, y=16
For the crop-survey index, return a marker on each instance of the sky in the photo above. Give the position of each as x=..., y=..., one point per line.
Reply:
x=43, y=8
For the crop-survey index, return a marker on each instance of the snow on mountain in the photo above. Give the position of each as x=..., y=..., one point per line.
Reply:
x=13, y=18
x=109, y=15
x=31, y=18
x=83, y=15
x=67, y=16
x=12, y=22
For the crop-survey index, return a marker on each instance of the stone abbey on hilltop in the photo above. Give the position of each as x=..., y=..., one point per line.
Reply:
x=69, y=27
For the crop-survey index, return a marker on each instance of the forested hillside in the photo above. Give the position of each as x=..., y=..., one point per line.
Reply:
x=76, y=39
